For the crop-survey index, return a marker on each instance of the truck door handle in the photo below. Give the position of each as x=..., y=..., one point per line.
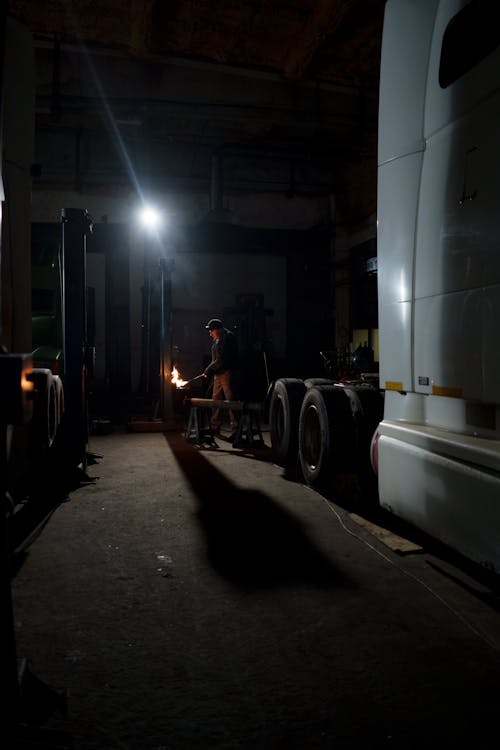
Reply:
x=467, y=196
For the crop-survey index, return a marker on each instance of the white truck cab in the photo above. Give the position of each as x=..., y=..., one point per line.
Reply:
x=439, y=271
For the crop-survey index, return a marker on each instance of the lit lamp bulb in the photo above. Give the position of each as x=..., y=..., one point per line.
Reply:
x=150, y=217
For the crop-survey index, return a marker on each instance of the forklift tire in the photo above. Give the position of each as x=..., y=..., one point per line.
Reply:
x=284, y=410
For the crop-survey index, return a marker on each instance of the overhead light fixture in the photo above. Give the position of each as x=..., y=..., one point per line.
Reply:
x=150, y=217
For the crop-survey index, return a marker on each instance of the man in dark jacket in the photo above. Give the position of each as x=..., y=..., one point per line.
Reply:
x=222, y=367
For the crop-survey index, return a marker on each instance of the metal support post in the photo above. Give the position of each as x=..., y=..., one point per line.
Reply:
x=76, y=225
x=166, y=387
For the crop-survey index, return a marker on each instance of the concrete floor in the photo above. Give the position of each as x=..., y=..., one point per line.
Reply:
x=196, y=598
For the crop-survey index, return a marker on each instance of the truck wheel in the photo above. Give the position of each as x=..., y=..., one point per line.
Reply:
x=371, y=414
x=327, y=436
x=284, y=410
x=312, y=382
x=44, y=407
x=59, y=398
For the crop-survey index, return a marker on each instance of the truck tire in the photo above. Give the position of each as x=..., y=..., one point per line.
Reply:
x=59, y=398
x=45, y=410
x=336, y=427
x=371, y=404
x=284, y=410
x=327, y=436
x=312, y=382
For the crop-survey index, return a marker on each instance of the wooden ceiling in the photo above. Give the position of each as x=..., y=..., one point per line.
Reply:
x=327, y=40
x=190, y=78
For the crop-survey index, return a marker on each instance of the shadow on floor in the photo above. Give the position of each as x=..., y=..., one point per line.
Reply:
x=251, y=540
x=49, y=487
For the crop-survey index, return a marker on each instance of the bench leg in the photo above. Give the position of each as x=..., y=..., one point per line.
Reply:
x=199, y=429
x=248, y=429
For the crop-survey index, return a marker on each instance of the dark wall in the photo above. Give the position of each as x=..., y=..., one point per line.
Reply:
x=309, y=293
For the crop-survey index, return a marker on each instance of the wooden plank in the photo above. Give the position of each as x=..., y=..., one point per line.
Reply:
x=210, y=403
x=391, y=540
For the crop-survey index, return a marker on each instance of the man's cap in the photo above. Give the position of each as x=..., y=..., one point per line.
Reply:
x=213, y=324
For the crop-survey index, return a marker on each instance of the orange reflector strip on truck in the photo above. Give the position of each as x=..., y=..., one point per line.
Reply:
x=443, y=390
x=393, y=385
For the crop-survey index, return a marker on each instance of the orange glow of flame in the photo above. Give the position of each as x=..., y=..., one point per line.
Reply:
x=176, y=378
x=26, y=385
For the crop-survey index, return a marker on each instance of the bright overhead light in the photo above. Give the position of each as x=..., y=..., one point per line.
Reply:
x=150, y=217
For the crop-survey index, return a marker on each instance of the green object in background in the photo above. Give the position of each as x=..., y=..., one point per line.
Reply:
x=47, y=348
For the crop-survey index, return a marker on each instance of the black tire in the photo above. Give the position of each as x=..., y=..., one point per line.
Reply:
x=59, y=397
x=327, y=436
x=372, y=412
x=284, y=410
x=371, y=409
x=267, y=402
x=44, y=423
x=313, y=382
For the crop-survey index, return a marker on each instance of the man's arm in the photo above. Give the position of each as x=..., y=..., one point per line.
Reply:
x=216, y=363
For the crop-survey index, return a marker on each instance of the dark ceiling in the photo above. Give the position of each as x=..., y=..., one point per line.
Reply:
x=329, y=40
x=294, y=82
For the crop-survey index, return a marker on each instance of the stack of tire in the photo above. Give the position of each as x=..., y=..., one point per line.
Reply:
x=324, y=430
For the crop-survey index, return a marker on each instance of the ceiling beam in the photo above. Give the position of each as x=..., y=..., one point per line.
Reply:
x=325, y=20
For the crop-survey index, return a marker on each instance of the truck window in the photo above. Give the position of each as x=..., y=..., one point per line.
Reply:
x=470, y=36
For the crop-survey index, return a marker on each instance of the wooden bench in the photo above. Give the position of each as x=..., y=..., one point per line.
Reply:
x=248, y=432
